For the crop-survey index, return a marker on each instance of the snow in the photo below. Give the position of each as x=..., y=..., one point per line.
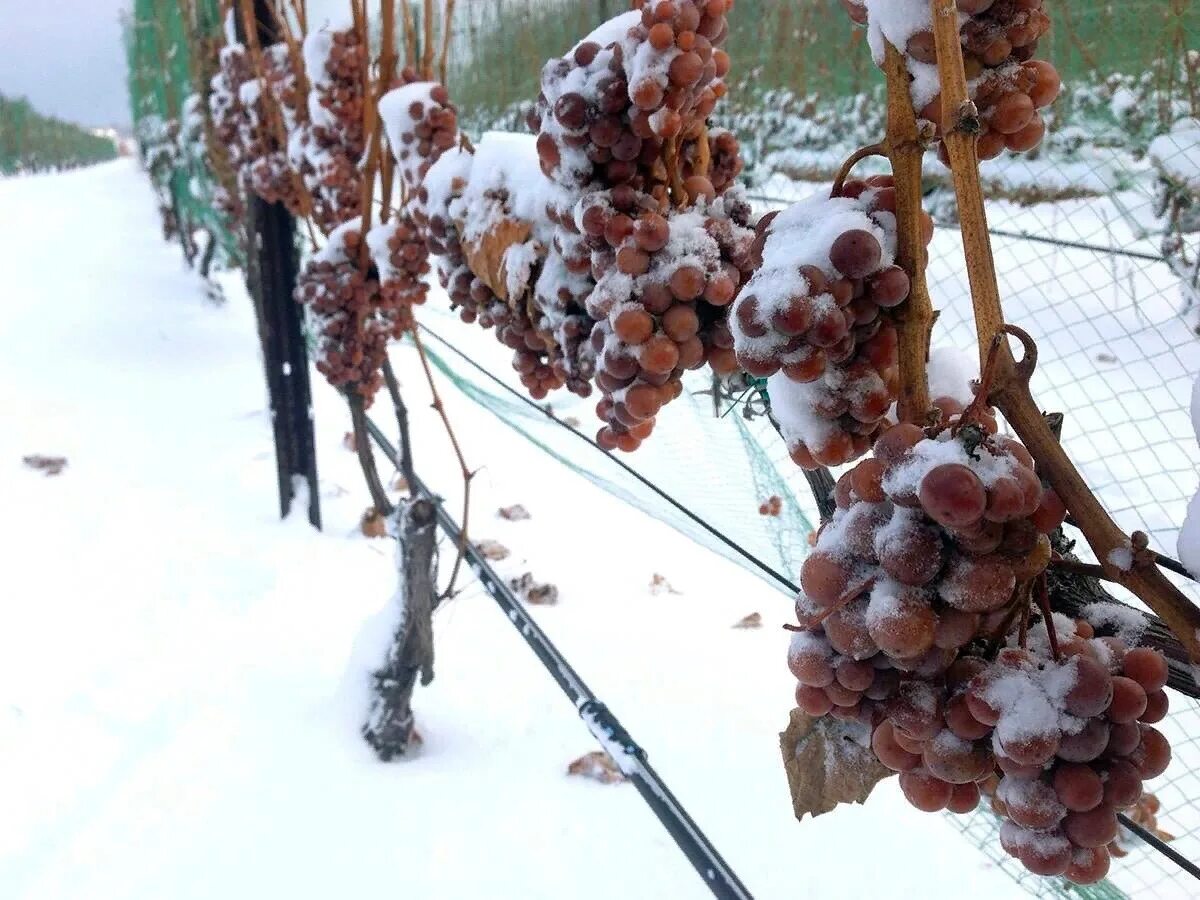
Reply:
x=181, y=674
x=951, y=371
x=1177, y=153
x=1188, y=544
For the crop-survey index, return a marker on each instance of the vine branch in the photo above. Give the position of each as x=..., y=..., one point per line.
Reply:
x=905, y=148
x=467, y=474
x=1010, y=393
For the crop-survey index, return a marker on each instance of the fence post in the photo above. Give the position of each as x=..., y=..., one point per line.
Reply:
x=272, y=262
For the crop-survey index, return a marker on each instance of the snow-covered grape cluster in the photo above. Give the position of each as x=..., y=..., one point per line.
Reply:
x=328, y=150
x=343, y=302
x=421, y=124
x=814, y=319
x=647, y=240
x=401, y=262
x=242, y=120
x=914, y=627
x=999, y=38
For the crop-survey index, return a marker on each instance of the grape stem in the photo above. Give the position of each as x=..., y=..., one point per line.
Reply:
x=1010, y=393
x=1042, y=592
x=839, y=181
x=467, y=475
x=1076, y=567
x=853, y=593
x=905, y=147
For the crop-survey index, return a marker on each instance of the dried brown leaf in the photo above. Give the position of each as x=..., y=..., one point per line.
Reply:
x=514, y=513
x=660, y=585
x=373, y=524
x=51, y=465
x=828, y=762
x=399, y=483
x=533, y=591
x=754, y=620
x=485, y=255
x=493, y=550
x=597, y=765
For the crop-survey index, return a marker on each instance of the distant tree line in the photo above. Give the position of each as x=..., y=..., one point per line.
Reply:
x=31, y=142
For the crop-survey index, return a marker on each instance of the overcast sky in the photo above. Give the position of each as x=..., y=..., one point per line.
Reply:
x=67, y=57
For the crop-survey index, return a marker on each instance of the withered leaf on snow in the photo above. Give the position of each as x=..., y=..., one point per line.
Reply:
x=373, y=524
x=514, y=513
x=598, y=765
x=828, y=762
x=535, y=592
x=493, y=550
x=51, y=465
x=754, y=620
x=660, y=585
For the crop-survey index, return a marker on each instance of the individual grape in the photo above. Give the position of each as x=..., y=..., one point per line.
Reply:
x=1152, y=756
x=956, y=760
x=964, y=798
x=1156, y=708
x=1122, y=784
x=977, y=585
x=1047, y=854
x=1079, y=787
x=913, y=556
x=1147, y=667
x=1031, y=802
x=813, y=700
x=1088, y=865
x=1128, y=700
x=1094, y=828
x=903, y=626
x=825, y=579
x=953, y=495
x=1092, y=691
x=925, y=792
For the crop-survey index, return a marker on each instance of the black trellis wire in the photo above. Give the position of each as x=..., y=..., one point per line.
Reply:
x=604, y=725
x=642, y=479
x=1019, y=235
x=1150, y=838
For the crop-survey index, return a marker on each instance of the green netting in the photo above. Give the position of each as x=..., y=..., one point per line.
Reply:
x=722, y=460
x=803, y=46
x=171, y=55
x=31, y=142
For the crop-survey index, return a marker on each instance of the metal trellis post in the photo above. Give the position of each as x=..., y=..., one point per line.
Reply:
x=275, y=261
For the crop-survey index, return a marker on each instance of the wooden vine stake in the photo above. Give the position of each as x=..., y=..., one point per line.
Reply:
x=1010, y=386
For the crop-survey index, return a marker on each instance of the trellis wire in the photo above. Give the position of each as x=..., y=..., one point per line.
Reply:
x=604, y=725
x=1148, y=870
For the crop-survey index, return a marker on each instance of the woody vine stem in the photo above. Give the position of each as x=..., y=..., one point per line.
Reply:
x=1010, y=392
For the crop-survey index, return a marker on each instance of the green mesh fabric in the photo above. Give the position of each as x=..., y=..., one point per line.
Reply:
x=171, y=54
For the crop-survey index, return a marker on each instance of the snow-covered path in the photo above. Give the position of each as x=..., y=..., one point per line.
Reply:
x=179, y=694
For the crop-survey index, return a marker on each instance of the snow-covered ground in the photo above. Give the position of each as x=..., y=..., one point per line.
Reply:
x=178, y=694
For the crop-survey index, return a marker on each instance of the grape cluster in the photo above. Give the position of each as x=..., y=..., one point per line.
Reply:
x=401, y=261
x=814, y=318
x=328, y=150
x=647, y=241
x=441, y=211
x=343, y=303
x=922, y=573
x=1074, y=740
x=242, y=121
x=1008, y=86
x=421, y=124
x=664, y=284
